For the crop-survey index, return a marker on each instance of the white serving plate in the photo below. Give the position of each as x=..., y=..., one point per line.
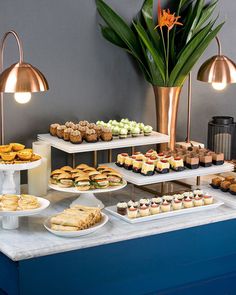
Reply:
x=19, y=167
x=79, y=233
x=113, y=211
x=139, y=179
x=43, y=205
x=69, y=147
x=94, y=191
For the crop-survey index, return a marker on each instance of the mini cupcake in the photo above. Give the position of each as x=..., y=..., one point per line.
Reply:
x=198, y=201
x=106, y=134
x=147, y=130
x=176, y=204
x=75, y=137
x=168, y=198
x=115, y=132
x=60, y=130
x=135, y=131
x=165, y=206
x=208, y=200
x=188, y=202
x=122, y=208
x=155, y=206
x=144, y=207
x=83, y=123
x=198, y=192
x=132, y=209
x=67, y=132
x=53, y=129
x=215, y=182
x=91, y=136
x=123, y=133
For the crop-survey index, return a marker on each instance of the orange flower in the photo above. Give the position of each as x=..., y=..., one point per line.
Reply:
x=165, y=18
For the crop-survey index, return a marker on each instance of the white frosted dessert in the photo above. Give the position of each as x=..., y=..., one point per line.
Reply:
x=198, y=201
x=188, y=202
x=177, y=204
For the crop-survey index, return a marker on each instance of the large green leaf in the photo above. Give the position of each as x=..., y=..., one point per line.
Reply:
x=112, y=37
x=187, y=67
x=188, y=50
x=195, y=18
x=206, y=14
x=155, y=55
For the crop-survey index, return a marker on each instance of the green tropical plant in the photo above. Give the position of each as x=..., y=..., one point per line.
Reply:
x=167, y=51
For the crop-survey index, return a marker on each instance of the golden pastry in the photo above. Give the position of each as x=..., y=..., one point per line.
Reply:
x=67, y=168
x=28, y=202
x=35, y=157
x=9, y=202
x=8, y=156
x=24, y=155
x=5, y=148
x=16, y=147
x=53, y=129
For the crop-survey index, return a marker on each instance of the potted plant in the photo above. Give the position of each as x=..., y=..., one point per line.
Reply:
x=165, y=50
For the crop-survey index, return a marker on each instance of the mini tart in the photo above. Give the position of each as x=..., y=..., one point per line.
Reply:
x=208, y=200
x=137, y=166
x=121, y=159
x=215, y=182
x=8, y=156
x=188, y=202
x=24, y=155
x=16, y=147
x=53, y=129
x=163, y=166
x=122, y=208
x=91, y=136
x=177, y=204
x=106, y=134
x=75, y=137
x=147, y=168
x=5, y=148
x=198, y=201
x=165, y=206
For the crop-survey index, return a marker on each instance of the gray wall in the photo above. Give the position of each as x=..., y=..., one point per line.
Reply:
x=90, y=78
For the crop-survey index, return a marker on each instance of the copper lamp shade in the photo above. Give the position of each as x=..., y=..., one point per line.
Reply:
x=22, y=77
x=218, y=69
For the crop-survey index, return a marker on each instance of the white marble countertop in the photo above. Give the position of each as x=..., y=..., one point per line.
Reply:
x=33, y=240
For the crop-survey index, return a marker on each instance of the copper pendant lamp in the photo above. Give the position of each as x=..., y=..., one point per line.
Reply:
x=20, y=78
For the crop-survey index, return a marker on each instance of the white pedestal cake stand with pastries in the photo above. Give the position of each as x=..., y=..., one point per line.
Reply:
x=87, y=198
x=8, y=183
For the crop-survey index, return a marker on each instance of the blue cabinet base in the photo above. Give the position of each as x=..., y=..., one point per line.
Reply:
x=200, y=260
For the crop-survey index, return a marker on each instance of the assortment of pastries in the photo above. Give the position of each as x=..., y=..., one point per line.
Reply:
x=76, y=218
x=16, y=153
x=225, y=184
x=152, y=161
x=84, y=177
x=18, y=203
x=166, y=203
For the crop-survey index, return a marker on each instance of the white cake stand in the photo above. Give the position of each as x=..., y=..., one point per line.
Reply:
x=10, y=219
x=8, y=184
x=87, y=198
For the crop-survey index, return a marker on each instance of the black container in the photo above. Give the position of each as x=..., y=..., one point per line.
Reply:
x=222, y=136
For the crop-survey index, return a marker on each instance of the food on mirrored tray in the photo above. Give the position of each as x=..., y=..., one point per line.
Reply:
x=84, y=177
x=18, y=203
x=177, y=160
x=76, y=218
x=225, y=184
x=158, y=205
x=16, y=153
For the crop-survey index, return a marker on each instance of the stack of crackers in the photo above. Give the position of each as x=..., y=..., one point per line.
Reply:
x=76, y=218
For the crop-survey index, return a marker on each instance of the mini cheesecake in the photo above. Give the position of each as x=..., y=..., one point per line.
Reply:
x=163, y=166
x=121, y=159
x=160, y=156
x=188, y=202
x=150, y=153
x=177, y=164
x=144, y=207
x=128, y=164
x=168, y=198
x=198, y=201
x=198, y=192
x=148, y=168
x=122, y=208
x=177, y=204
x=192, y=162
x=218, y=158
x=208, y=200
x=165, y=206
x=132, y=209
x=168, y=158
x=155, y=206
x=137, y=165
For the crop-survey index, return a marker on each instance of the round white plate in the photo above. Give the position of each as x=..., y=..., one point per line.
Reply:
x=43, y=205
x=79, y=233
x=19, y=167
x=94, y=191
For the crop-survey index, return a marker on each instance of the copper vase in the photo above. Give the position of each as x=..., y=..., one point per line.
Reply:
x=167, y=103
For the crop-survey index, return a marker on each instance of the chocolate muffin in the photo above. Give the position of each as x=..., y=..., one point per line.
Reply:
x=106, y=134
x=75, y=137
x=91, y=135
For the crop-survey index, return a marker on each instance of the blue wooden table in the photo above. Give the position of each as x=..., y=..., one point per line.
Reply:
x=198, y=260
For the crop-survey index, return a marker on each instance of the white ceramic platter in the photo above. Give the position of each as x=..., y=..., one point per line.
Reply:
x=19, y=167
x=95, y=191
x=79, y=233
x=113, y=211
x=139, y=179
x=69, y=147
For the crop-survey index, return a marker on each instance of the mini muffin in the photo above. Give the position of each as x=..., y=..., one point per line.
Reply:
x=232, y=189
x=215, y=182
x=224, y=186
x=16, y=147
x=106, y=134
x=66, y=134
x=24, y=155
x=69, y=124
x=60, y=131
x=83, y=123
x=75, y=137
x=53, y=129
x=5, y=148
x=8, y=156
x=230, y=179
x=91, y=135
